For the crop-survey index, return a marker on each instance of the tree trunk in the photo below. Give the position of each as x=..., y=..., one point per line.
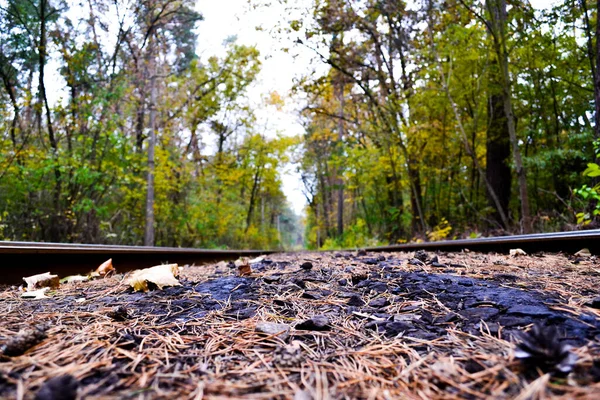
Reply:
x=253, y=193
x=149, y=231
x=42, y=53
x=593, y=60
x=499, y=19
x=497, y=169
x=340, y=182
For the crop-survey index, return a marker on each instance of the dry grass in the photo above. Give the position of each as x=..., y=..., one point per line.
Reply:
x=157, y=354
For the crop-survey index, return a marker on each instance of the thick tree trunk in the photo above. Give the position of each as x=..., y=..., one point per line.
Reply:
x=499, y=16
x=497, y=170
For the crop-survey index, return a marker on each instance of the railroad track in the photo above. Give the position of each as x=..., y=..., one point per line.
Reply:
x=20, y=259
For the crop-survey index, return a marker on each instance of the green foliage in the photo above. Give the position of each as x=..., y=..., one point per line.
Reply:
x=409, y=153
x=78, y=171
x=590, y=195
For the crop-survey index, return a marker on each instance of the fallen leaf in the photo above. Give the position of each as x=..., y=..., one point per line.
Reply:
x=244, y=270
x=42, y=280
x=242, y=261
x=160, y=275
x=35, y=294
x=583, y=253
x=517, y=252
x=105, y=268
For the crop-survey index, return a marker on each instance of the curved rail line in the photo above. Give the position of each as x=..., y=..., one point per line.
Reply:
x=18, y=259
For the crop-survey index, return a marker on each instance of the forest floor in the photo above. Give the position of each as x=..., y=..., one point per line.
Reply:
x=317, y=326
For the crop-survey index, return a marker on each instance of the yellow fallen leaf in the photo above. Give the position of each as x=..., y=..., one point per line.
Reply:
x=42, y=280
x=583, y=253
x=160, y=275
x=105, y=268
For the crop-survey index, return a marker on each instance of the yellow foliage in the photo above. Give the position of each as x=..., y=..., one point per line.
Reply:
x=440, y=231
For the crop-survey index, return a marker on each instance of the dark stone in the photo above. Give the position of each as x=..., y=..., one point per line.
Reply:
x=510, y=322
x=316, y=323
x=355, y=301
x=484, y=313
x=473, y=366
x=343, y=282
x=421, y=255
x=299, y=282
x=530, y=311
x=119, y=313
x=379, y=287
x=438, y=265
x=450, y=317
x=222, y=289
x=306, y=266
x=380, y=258
x=364, y=283
x=357, y=278
x=377, y=325
x=370, y=261
x=62, y=387
x=272, y=278
x=312, y=295
x=379, y=302
x=242, y=314
x=361, y=253
x=595, y=303
x=590, y=319
x=394, y=328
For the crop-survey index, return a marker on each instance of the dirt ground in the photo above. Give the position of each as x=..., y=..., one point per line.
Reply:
x=316, y=326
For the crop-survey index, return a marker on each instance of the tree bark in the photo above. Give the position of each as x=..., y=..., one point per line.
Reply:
x=340, y=182
x=499, y=20
x=149, y=231
x=497, y=170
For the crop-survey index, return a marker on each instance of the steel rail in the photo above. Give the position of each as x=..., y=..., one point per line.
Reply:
x=18, y=259
x=569, y=242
